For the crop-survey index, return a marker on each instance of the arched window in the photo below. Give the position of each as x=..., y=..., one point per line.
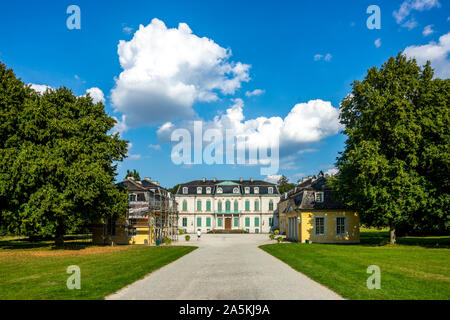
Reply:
x=184, y=205
x=208, y=189
x=219, y=206
x=247, y=189
x=270, y=190
x=219, y=190
x=256, y=205
x=256, y=189
x=228, y=205
x=271, y=205
x=199, y=190
x=199, y=205
x=236, y=190
x=236, y=206
x=185, y=190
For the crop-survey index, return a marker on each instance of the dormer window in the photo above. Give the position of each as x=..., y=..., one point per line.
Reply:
x=208, y=190
x=219, y=190
x=247, y=189
x=185, y=190
x=132, y=197
x=236, y=190
x=318, y=196
x=270, y=190
x=256, y=190
x=199, y=190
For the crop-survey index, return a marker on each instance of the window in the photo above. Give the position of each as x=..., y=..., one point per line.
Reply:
x=199, y=189
x=235, y=190
x=184, y=222
x=219, y=222
x=341, y=226
x=199, y=205
x=256, y=222
x=199, y=222
x=270, y=190
x=236, y=206
x=185, y=190
x=208, y=205
x=271, y=205
x=256, y=190
x=208, y=190
x=319, y=226
x=247, y=222
x=247, y=205
x=219, y=190
x=227, y=206
x=132, y=197
x=184, y=205
x=318, y=196
x=208, y=222
x=256, y=205
x=256, y=230
x=236, y=222
x=247, y=190
x=219, y=206
x=270, y=222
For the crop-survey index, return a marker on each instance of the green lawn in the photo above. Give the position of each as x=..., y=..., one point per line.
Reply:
x=416, y=268
x=38, y=271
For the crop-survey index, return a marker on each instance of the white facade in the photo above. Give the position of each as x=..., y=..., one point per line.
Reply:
x=254, y=213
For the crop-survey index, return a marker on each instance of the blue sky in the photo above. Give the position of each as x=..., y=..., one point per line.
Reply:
x=284, y=43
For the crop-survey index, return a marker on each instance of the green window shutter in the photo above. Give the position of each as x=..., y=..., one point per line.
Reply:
x=247, y=205
x=219, y=206
x=236, y=206
x=271, y=205
x=256, y=205
x=256, y=222
x=184, y=222
x=199, y=222
x=247, y=222
x=199, y=205
x=208, y=205
x=219, y=222
x=184, y=205
x=228, y=205
x=270, y=222
x=208, y=222
x=236, y=222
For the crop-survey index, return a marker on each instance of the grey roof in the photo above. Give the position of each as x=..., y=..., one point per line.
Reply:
x=227, y=186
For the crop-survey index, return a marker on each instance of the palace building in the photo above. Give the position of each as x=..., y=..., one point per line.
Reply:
x=227, y=205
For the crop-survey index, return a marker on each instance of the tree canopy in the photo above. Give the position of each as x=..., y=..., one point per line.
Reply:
x=395, y=167
x=133, y=174
x=284, y=185
x=57, y=160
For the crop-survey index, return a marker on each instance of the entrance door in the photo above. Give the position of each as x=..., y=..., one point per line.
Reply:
x=227, y=223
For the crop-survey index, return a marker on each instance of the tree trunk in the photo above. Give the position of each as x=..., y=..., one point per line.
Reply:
x=392, y=236
x=59, y=236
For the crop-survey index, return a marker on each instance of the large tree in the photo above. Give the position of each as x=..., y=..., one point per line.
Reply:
x=284, y=185
x=57, y=160
x=395, y=167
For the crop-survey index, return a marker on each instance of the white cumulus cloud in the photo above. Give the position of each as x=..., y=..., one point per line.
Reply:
x=435, y=52
x=408, y=6
x=377, y=43
x=428, y=30
x=167, y=70
x=256, y=92
x=96, y=95
x=40, y=88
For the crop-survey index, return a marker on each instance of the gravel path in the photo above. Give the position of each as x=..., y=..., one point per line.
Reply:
x=226, y=267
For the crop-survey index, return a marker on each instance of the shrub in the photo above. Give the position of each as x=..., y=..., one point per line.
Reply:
x=272, y=236
x=167, y=240
x=181, y=231
x=280, y=239
x=187, y=237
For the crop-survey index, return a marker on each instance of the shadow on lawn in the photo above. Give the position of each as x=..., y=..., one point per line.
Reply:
x=71, y=242
x=381, y=238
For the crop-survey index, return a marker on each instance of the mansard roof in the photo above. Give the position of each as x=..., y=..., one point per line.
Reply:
x=228, y=187
x=144, y=185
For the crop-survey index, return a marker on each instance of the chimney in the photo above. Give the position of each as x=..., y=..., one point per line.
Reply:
x=155, y=182
x=241, y=179
x=147, y=179
x=251, y=179
x=204, y=179
x=320, y=174
x=214, y=179
x=130, y=178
